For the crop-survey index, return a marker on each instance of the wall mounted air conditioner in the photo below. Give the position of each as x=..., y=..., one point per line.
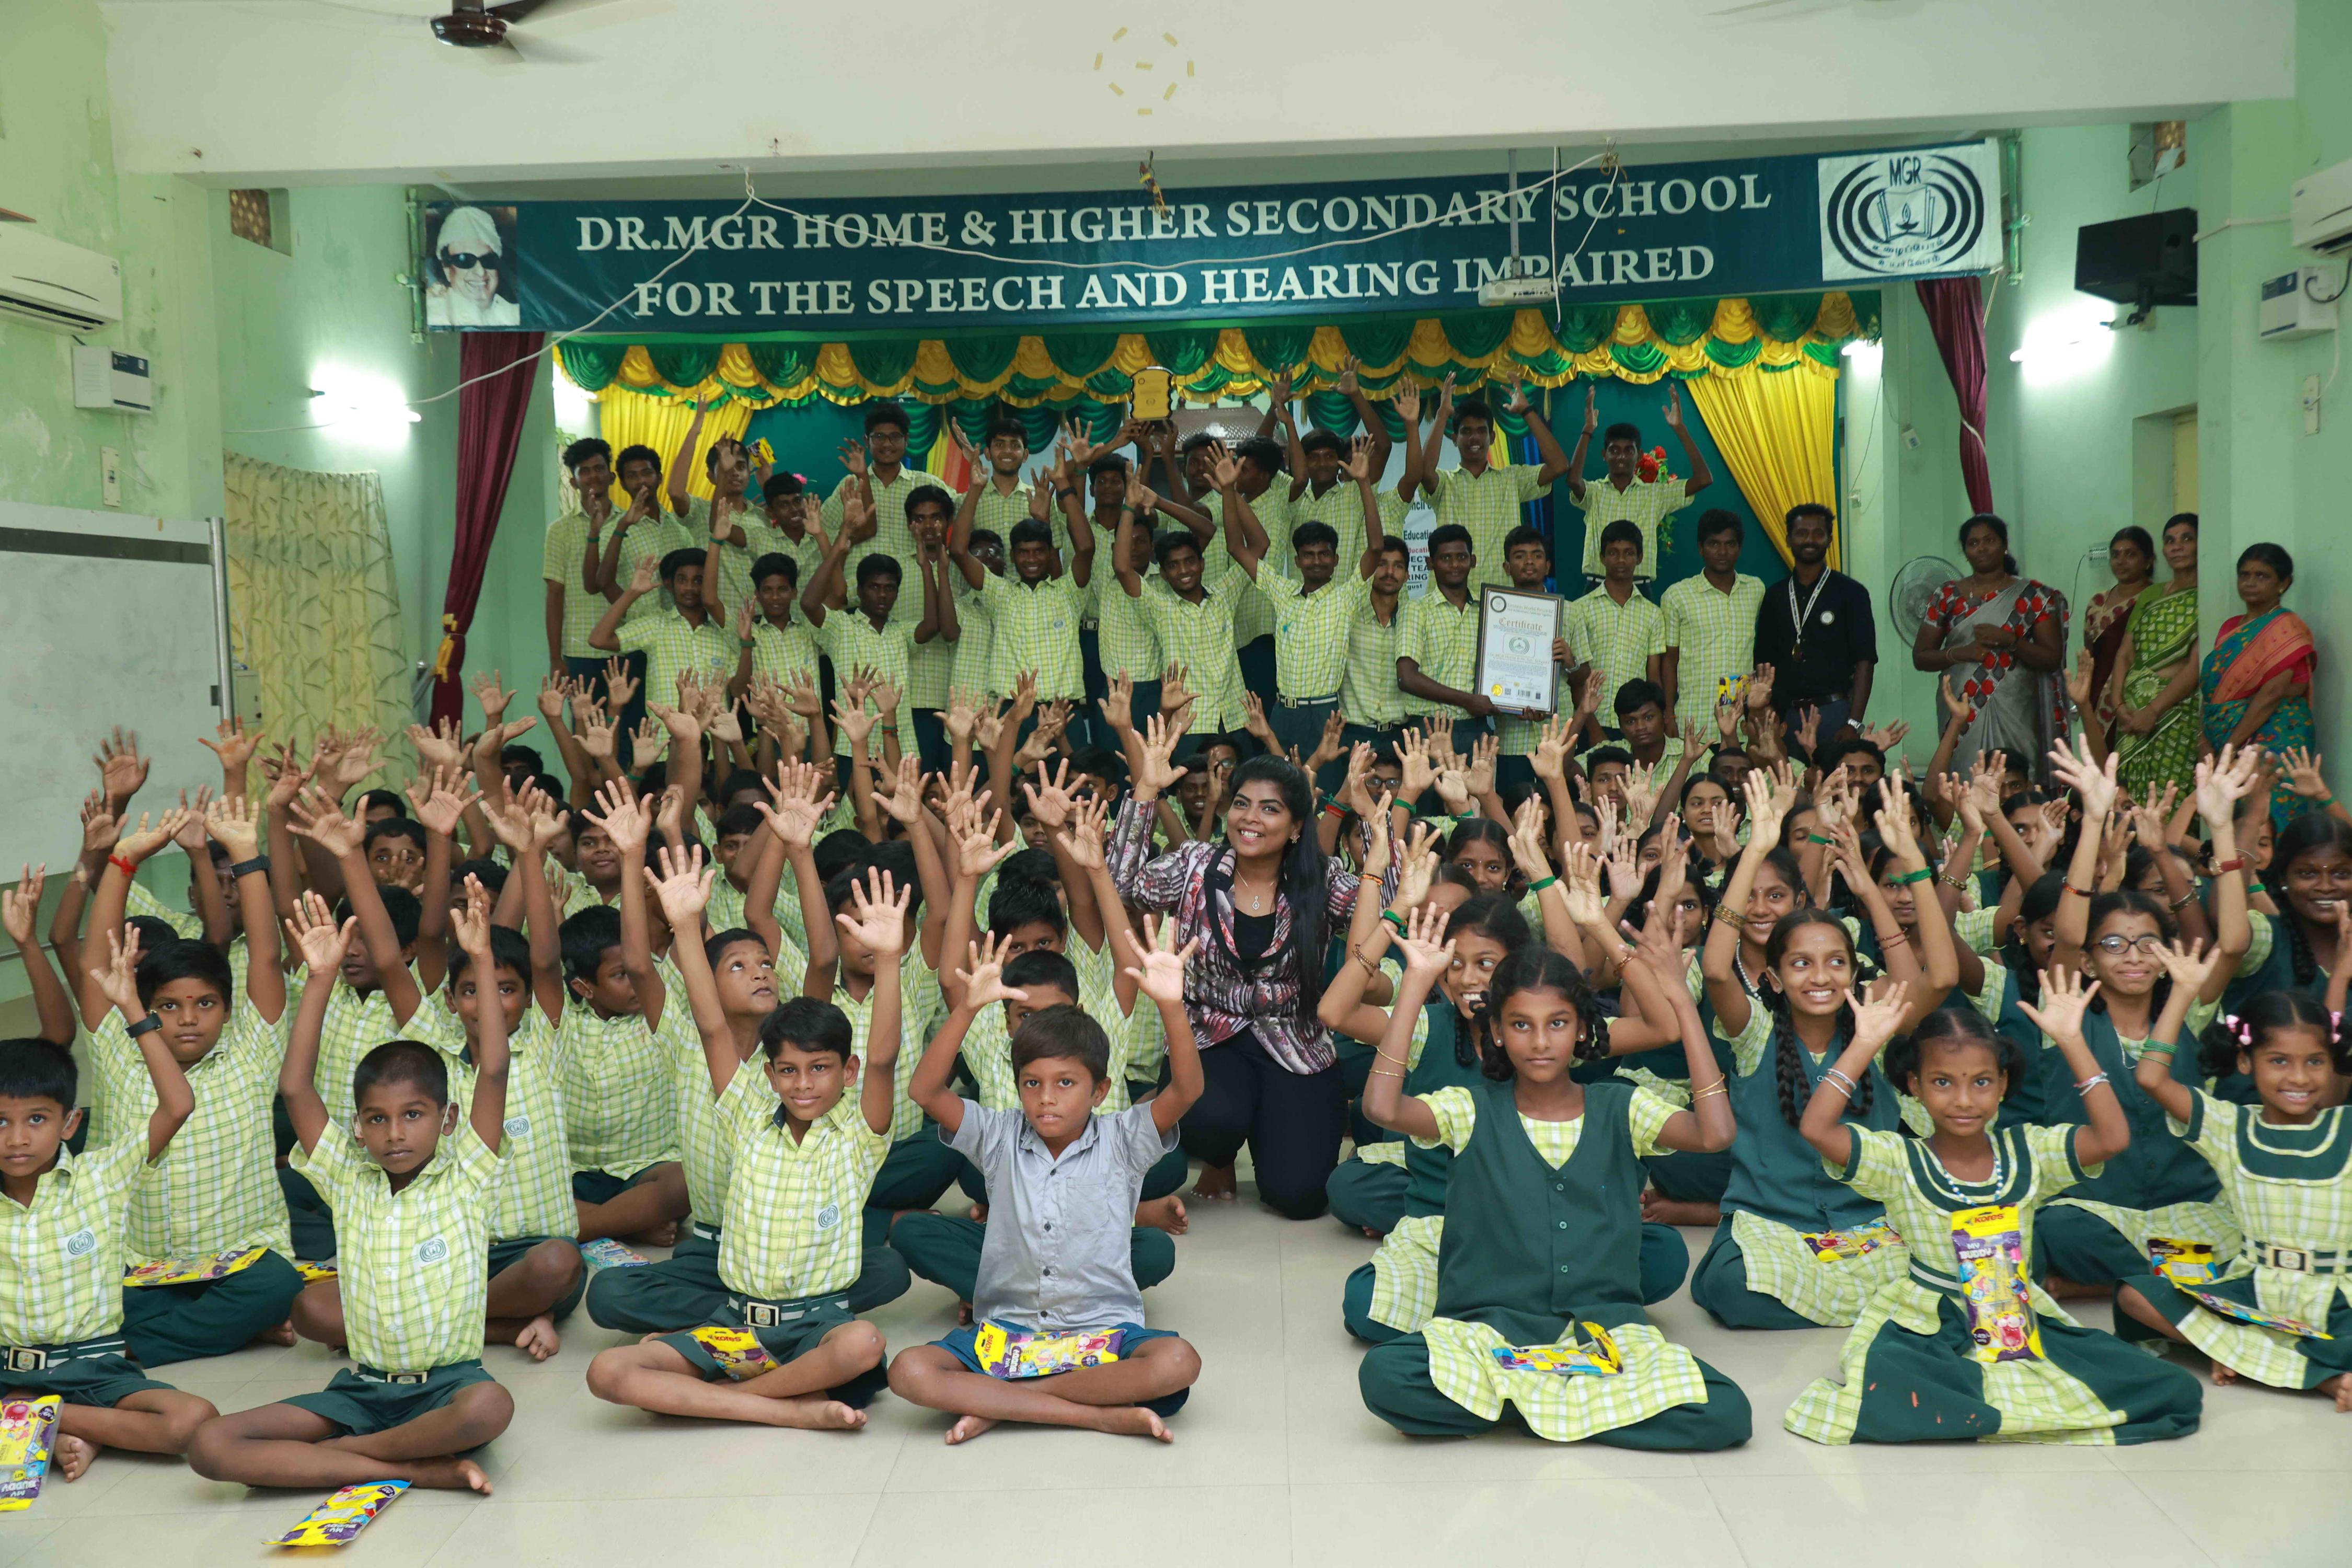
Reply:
x=2319, y=209
x=60, y=287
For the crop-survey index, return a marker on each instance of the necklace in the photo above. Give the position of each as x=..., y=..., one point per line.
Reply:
x=1967, y=1193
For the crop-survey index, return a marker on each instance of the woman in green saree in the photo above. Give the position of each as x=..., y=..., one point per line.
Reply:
x=2155, y=734
x=2257, y=679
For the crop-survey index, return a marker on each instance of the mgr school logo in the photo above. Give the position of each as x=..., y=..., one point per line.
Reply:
x=1912, y=214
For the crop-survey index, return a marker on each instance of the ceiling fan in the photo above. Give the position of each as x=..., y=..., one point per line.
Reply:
x=490, y=33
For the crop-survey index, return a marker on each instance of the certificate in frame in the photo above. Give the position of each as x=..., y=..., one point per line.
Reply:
x=1517, y=627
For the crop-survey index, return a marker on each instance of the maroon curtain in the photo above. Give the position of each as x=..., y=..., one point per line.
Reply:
x=1955, y=309
x=489, y=427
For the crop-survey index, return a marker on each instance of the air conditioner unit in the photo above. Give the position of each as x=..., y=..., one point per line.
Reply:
x=2319, y=209
x=58, y=286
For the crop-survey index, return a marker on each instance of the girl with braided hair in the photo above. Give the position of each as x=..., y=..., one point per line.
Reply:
x=1797, y=1247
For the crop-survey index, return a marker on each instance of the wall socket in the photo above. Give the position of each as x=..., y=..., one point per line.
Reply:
x=109, y=476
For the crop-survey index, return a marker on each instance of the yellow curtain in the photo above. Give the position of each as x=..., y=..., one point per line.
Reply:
x=661, y=423
x=1776, y=431
x=314, y=609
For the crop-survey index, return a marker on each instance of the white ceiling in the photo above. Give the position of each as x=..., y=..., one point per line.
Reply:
x=932, y=95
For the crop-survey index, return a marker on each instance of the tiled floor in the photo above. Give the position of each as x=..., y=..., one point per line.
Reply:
x=1275, y=1461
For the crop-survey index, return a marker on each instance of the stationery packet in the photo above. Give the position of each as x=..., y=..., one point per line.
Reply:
x=2185, y=1263
x=28, y=1434
x=1989, y=1244
x=192, y=1270
x=1013, y=1353
x=607, y=1253
x=2284, y=1324
x=738, y=1351
x=339, y=1519
x=1595, y=1354
x=1837, y=1246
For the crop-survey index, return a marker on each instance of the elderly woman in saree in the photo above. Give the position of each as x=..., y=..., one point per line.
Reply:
x=2257, y=679
x=2131, y=556
x=2156, y=740
x=2003, y=640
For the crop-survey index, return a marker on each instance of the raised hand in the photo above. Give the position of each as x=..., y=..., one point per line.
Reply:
x=1156, y=773
x=471, y=923
x=232, y=744
x=314, y=934
x=1878, y=1011
x=1159, y=972
x=1550, y=761
x=2302, y=775
x=2083, y=773
x=118, y=977
x=982, y=976
x=191, y=835
x=21, y=903
x=877, y=912
x=1417, y=869
x=626, y=818
x=1766, y=809
x=1049, y=798
x=1480, y=774
x=439, y=747
x=139, y=843
x=490, y=691
x=620, y=686
x=903, y=802
x=1528, y=840
x=1582, y=877
x=796, y=811
x=1082, y=840
x=1412, y=756
x=318, y=819
x=231, y=821
x=121, y=771
x=682, y=886
x=2064, y=1000
x=1422, y=943
x=2190, y=965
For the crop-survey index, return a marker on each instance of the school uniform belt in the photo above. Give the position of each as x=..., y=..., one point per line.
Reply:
x=41, y=1358
x=1282, y=701
x=398, y=1379
x=2301, y=1259
x=704, y=1231
x=1925, y=1276
x=759, y=1314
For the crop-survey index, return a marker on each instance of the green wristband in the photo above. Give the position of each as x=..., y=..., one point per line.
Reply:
x=1540, y=887
x=1908, y=878
x=1393, y=918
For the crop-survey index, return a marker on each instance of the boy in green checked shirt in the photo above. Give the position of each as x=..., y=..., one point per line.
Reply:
x=410, y=1183
x=1369, y=693
x=1621, y=494
x=997, y=500
x=1034, y=612
x=785, y=1352
x=1437, y=641
x=769, y=643
x=690, y=638
x=62, y=1243
x=1526, y=560
x=1616, y=631
x=1318, y=492
x=1313, y=613
x=214, y=1202
x=1479, y=496
x=1192, y=622
x=874, y=637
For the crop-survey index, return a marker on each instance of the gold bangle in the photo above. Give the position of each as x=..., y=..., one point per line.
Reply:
x=1392, y=1072
x=1714, y=1088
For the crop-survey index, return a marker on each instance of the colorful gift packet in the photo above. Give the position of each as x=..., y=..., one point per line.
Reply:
x=339, y=1519
x=1837, y=1246
x=192, y=1270
x=1011, y=1353
x=1595, y=1355
x=1989, y=1244
x=28, y=1434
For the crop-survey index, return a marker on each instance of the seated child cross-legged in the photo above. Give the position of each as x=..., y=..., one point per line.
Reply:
x=61, y=1240
x=786, y=1346
x=1539, y=1274
x=410, y=1185
x=1967, y=1345
x=1062, y=1188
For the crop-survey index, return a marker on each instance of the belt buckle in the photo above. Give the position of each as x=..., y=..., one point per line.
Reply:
x=2291, y=1257
x=408, y=1379
x=21, y=1358
x=762, y=1314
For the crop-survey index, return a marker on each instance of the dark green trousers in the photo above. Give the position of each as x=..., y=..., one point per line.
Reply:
x=164, y=1323
x=1396, y=1385
x=684, y=1291
x=1366, y=1195
x=1720, y=1286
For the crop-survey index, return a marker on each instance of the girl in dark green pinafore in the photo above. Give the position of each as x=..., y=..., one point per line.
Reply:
x=2309, y=877
x=2157, y=1194
x=1966, y=1345
x=2285, y=1167
x=1541, y=1253
x=1796, y=1248
x=2008, y=980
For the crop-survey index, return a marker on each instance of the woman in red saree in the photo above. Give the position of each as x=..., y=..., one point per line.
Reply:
x=2257, y=679
x=2131, y=556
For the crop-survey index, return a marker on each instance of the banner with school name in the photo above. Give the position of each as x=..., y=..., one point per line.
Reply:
x=929, y=264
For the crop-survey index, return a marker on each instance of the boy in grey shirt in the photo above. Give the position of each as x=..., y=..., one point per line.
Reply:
x=1062, y=1187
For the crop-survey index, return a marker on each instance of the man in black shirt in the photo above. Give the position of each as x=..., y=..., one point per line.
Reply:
x=1814, y=628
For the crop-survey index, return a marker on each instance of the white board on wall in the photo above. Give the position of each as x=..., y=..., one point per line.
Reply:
x=109, y=619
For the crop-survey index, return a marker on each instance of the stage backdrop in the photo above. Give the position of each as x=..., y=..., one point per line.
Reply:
x=1091, y=260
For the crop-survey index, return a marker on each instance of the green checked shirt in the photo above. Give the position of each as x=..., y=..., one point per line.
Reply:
x=1204, y=638
x=561, y=558
x=1341, y=508
x=354, y=1026
x=921, y=1011
x=1123, y=633
x=795, y=1207
x=975, y=643
x=673, y=645
x=1617, y=640
x=410, y=1262
x=61, y=1254
x=1000, y=514
x=987, y=1044
x=760, y=536
x=216, y=1187
x=892, y=536
x=534, y=1196
x=619, y=1116
x=1035, y=627
x=1252, y=617
x=850, y=640
x=1442, y=640
x=930, y=666
x=1487, y=503
x=1645, y=505
x=706, y=1152
x=785, y=653
x=650, y=540
x=1311, y=639
x=1716, y=632
x=1369, y=693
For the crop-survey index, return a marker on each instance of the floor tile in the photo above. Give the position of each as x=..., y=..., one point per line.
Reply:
x=2274, y=1519
x=1230, y=1527
x=817, y=1529
x=2025, y=1520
